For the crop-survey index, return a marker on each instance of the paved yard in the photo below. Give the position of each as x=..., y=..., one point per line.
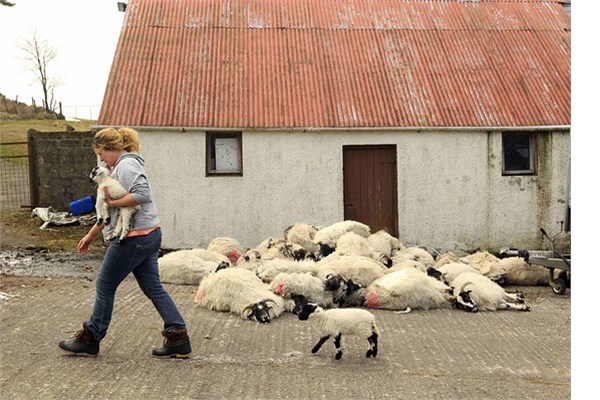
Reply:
x=438, y=354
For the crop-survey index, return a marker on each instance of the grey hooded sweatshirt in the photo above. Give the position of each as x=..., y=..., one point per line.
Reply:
x=129, y=170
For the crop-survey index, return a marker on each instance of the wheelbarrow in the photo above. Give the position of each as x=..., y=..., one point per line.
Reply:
x=551, y=260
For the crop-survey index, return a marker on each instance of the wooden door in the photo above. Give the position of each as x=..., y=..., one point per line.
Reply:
x=370, y=186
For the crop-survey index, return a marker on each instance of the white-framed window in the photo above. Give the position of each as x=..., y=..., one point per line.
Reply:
x=518, y=153
x=223, y=153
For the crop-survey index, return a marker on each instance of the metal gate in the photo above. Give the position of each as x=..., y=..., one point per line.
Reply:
x=16, y=173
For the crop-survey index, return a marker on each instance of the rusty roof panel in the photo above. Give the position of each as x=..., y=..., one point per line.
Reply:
x=350, y=63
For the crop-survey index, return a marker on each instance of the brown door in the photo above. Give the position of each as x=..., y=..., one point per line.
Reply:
x=370, y=187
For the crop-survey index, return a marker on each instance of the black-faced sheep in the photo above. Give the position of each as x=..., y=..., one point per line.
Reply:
x=474, y=291
x=101, y=176
x=327, y=237
x=338, y=322
x=241, y=292
x=360, y=269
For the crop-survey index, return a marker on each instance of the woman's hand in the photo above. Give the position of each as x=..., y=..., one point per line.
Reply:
x=84, y=244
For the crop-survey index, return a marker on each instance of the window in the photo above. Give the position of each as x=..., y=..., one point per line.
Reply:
x=223, y=153
x=518, y=153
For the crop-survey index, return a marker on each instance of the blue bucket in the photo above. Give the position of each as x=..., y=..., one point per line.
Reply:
x=83, y=205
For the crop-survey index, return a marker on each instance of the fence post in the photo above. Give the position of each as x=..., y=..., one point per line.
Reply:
x=33, y=169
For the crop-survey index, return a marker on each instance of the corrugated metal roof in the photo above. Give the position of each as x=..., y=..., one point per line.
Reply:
x=341, y=63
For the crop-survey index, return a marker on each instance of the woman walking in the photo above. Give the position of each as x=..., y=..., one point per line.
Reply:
x=137, y=253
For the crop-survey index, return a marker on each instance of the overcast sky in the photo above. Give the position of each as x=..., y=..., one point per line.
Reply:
x=86, y=35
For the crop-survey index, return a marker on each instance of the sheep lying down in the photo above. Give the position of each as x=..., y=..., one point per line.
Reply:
x=474, y=292
x=241, y=292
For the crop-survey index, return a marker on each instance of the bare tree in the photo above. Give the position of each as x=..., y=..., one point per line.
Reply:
x=38, y=54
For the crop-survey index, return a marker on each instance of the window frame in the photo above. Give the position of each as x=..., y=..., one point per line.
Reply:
x=210, y=137
x=532, y=155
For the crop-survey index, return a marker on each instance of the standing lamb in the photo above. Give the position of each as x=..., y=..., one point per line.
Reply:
x=101, y=176
x=338, y=322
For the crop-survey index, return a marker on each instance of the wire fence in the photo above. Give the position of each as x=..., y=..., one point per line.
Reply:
x=14, y=180
x=81, y=111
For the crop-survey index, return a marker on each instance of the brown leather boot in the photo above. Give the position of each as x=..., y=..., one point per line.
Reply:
x=176, y=344
x=83, y=343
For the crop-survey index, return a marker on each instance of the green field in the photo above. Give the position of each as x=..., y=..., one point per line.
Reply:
x=15, y=130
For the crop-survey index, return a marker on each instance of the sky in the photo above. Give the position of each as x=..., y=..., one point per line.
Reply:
x=86, y=35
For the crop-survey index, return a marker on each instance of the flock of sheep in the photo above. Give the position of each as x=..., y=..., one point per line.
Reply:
x=344, y=265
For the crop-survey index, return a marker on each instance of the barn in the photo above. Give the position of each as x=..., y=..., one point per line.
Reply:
x=447, y=123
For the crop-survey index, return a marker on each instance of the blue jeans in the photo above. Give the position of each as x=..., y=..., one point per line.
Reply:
x=138, y=254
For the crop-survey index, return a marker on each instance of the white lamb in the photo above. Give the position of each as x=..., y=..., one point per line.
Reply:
x=407, y=289
x=101, y=176
x=338, y=322
x=474, y=291
x=327, y=237
x=241, y=292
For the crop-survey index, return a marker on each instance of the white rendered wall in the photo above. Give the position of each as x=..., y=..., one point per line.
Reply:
x=451, y=192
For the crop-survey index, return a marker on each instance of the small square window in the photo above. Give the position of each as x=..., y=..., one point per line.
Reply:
x=223, y=153
x=518, y=153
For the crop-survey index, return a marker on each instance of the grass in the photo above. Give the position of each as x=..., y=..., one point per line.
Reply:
x=15, y=130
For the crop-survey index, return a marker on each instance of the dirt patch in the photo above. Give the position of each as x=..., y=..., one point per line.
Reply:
x=21, y=231
x=27, y=251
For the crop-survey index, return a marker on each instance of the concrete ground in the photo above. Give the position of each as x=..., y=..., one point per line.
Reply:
x=436, y=354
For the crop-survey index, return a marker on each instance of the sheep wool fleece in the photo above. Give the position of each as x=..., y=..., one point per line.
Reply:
x=349, y=321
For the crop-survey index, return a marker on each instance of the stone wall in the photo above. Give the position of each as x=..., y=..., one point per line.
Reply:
x=62, y=161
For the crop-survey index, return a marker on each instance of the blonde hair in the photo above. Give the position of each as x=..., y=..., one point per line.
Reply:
x=117, y=139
